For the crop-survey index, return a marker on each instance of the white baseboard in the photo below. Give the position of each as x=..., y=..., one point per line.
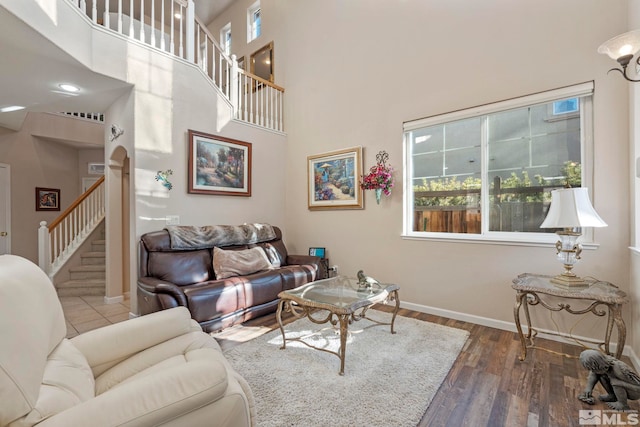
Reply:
x=633, y=356
x=510, y=326
x=113, y=300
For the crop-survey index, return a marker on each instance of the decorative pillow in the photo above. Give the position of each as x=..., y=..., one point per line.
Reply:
x=272, y=254
x=239, y=263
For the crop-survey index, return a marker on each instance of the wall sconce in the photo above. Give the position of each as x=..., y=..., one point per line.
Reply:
x=623, y=48
x=570, y=210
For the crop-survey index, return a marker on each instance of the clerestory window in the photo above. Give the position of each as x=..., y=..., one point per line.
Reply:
x=486, y=173
x=254, y=24
x=225, y=39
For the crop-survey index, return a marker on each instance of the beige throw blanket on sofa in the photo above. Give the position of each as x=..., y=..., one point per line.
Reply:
x=199, y=237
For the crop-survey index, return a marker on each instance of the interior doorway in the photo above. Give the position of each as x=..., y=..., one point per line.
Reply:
x=87, y=183
x=5, y=209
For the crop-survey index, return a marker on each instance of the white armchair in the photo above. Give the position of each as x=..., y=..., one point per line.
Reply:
x=158, y=369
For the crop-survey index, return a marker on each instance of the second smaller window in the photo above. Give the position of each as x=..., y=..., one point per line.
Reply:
x=254, y=22
x=225, y=39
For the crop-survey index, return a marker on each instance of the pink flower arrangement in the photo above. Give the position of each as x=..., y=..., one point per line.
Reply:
x=380, y=176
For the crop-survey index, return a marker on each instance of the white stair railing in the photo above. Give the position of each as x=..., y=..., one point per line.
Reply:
x=259, y=101
x=91, y=117
x=154, y=22
x=57, y=242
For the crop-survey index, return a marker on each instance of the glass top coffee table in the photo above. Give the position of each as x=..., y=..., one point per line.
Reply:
x=338, y=300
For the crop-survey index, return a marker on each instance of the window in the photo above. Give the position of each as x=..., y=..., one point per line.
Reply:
x=253, y=22
x=225, y=39
x=486, y=173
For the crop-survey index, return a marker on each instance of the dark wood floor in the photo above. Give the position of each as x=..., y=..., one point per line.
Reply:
x=489, y=386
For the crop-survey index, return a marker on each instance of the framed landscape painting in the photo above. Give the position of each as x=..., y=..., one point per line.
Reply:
x=219, y=165
x=334, y=180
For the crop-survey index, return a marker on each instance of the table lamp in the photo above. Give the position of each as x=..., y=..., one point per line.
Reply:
x=570, y=210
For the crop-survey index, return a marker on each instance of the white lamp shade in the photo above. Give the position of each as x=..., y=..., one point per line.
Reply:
x=571, y=207
x=624, y=44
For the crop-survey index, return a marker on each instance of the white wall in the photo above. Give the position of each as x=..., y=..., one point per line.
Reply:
x=236, y=14
x=169, y=98
x=355, y=71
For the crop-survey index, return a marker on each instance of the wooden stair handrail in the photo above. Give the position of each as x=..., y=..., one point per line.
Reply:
x=261, y=80
x=75, y=204
x=206, y=31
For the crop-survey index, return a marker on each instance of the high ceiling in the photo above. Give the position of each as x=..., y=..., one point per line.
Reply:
x=33, y=68
x=208, y=10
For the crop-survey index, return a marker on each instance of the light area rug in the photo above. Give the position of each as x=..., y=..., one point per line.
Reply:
x=389, y=380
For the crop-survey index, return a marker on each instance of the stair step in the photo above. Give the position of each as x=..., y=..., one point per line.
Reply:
x=98, y=245
x=84, y=272
x=76, y=288
x=92, y=258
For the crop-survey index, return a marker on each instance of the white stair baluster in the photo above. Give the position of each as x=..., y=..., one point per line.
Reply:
x=181, y=32
x=173, y=18
x=153, y=23
x=131, y=15
x=119, y=16
x=190, y=28
x=269, y=107
x=199, y=53
x=142, y=21
x=106, y=18
x=252, y=86
x=162, y=26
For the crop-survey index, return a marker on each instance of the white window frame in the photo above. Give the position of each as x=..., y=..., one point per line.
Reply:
x=584, y=91
x=226, y=47
x=251, y=22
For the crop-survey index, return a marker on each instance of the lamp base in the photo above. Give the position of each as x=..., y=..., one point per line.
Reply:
x=569, y=281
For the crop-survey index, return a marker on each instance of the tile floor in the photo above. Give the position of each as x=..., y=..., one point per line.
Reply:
x=90, y=312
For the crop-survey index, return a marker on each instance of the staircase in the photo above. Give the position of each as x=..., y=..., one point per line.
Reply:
x=89, y=278
x=152, y=22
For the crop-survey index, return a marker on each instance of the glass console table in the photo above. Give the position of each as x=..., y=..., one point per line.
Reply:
x=530, y=287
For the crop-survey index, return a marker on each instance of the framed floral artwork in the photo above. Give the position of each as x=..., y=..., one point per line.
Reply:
x=219, y=165
x=333, y=180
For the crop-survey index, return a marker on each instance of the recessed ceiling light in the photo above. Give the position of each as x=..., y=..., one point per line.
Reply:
x=69, y=88
x=11, y=108
x=178, y=16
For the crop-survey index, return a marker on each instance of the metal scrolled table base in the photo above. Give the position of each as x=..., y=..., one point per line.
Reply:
x=343, y=319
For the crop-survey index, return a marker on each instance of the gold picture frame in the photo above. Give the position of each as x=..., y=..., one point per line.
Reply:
x=333, y=180
x=261, y=62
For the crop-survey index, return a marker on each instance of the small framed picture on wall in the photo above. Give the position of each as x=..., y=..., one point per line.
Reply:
x=47, y=199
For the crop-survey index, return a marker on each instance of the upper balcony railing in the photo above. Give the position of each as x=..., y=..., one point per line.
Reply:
x=171, y=26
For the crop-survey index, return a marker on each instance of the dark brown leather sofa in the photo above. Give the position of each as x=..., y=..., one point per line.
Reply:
x=170, y=278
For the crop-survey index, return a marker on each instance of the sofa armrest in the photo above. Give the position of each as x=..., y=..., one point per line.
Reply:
x=152, y=399
x=157, y=286
x=120, y=340
x=308, y=260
